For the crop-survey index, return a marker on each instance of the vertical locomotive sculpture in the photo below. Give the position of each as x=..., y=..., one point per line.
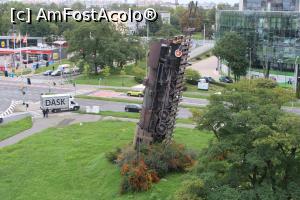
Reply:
x=167, y=61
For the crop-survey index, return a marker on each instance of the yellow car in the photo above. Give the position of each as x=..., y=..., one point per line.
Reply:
x=135, y=93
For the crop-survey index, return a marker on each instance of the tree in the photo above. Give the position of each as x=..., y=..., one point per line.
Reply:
x=105, y=72
x=100, y=44
x=155, y=26
x=167, y=30
x=255, y=153
x=233, y=49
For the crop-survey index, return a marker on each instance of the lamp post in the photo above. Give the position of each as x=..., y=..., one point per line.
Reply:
x=279, y=61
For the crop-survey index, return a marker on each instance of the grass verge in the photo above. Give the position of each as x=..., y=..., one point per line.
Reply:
x=132, y=115
x=69, y=163
x=123, y=100
x=112, y=80
x=14, y=127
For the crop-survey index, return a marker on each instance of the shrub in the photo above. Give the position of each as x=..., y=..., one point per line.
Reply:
x=139, y=74
x=192, y=76
x=113, y=155
x=152, y=163
x=265, y=83
x=191, y=190
x=137, y=177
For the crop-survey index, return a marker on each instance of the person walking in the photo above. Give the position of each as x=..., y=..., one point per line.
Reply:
x=47, y=112
x=44, y=113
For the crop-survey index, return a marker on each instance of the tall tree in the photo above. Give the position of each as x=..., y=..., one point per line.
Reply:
x=255, y=154
x=233, y=49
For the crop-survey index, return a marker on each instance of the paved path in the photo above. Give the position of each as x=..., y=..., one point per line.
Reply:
x=202, y=49
x=65, y=119
x=207, y=67
x=40, y=124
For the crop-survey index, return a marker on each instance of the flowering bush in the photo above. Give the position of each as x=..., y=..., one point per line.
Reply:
x=141, y=169
x=137, y=177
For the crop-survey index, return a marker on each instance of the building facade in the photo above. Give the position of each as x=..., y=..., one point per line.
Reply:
x=269, y=5
x=273, y=36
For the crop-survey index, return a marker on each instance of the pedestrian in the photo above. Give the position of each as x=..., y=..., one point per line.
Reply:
x=44, y=113
x=47, y=112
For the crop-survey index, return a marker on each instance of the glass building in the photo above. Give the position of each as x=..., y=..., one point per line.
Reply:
x=273, y=37
x=270, y=5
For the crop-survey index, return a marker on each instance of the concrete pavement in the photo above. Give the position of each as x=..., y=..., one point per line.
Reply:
x=40, y=124
x=207, y=67
x=208, y=45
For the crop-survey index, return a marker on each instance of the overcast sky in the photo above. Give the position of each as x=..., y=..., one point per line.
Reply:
x=216, y=1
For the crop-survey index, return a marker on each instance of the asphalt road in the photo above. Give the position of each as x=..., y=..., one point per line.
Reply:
x=119, y=106
x=11, y=91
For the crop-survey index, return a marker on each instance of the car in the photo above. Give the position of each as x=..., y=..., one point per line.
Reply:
x=47, y=73
x=133, y=108
x=56, y=73
x=209, y=79
x=27, y=61
x=1, y=120
x=135, y=93
x=226, y=79
x=67, y=71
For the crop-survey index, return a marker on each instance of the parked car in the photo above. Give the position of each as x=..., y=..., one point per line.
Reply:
x=47, y=73
x=135, y=93
x=226, y=79
x=56, y=73
x=27, y=61
x=1, y=120
x=133, y=108
x=209, y=79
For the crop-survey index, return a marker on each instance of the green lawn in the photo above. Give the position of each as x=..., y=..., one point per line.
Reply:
x=110, y=99
x=69, y=163
x=197, y=36
x=275, y=72
x=134, y=101
x=112, y=80
x=132, y=115
x=50, y=67
x=15, y=127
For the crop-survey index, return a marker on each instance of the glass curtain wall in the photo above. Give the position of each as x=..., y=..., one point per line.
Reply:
x=275, y=5
x=273, y=37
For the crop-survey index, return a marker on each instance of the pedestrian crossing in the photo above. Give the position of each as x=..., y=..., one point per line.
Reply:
x=10, y=109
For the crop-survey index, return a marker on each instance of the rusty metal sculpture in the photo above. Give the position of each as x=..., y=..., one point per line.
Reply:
x=167, y=61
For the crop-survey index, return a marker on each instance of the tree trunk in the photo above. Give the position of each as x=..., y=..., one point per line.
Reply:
x=267, y=70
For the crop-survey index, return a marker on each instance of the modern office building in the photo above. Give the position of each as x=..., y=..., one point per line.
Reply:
x=271, y=28
x=269, y=5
